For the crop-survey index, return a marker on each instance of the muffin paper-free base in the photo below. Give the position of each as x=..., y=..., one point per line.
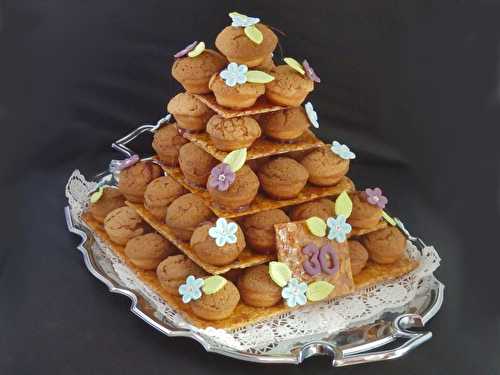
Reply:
x=262, y=146
x=263, y=202
x=243, y=315
x=261, y=106
x=246, y=259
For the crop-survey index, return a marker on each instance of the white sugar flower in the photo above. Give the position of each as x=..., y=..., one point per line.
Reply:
x=234, y=74
x=311, y=114
x=342, y=150
x=223, y=232
x=240, y=20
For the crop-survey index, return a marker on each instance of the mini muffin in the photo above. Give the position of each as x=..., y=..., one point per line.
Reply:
x=259, y=230
x=358, y=255
x=134, y=180
x=166, y=142
x=240, y=194
x=238, y=96
x=364, y=215
x=173, y=271
x=232, y=133
x=111, y=199
x=190, y=114
x=160, y=193
x=283, y=178
x=257, y=288
x=286, y=125
x=385, y=246
x=289, y=87
x=218, y=305
x=322, y=208
x=196, y=164
x=185, y=213
x=324, y=167
x=267, y=65
x=193, y=73
x=205, y=247
x=238, y=48
x=123, y=224
x=148, y=250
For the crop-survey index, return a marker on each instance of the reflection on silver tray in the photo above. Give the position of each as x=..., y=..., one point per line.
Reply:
x=366, y=342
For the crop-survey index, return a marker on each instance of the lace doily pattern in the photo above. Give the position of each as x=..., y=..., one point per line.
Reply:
x=274, y=334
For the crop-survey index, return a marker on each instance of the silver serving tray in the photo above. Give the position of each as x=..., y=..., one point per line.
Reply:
x=391, y=335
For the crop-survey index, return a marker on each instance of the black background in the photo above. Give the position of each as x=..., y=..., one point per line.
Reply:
x=412, y=86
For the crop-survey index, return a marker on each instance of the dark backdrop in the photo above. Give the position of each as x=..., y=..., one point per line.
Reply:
x=412, y=86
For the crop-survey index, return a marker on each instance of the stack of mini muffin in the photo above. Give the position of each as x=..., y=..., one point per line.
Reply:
x=246, y=110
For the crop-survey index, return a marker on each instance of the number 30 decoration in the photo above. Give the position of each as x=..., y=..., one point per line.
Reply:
x=318, y=261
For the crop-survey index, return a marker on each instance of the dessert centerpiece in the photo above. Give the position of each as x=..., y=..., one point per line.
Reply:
x=243, y=215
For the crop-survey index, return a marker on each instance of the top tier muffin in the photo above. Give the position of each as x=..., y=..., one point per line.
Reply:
x=238, y=48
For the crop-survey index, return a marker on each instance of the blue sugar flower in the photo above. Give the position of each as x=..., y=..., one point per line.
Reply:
x=338, y=228
x=294, y=293
x=342, y=150
x=240, y=20
x=223, y=232
x=234, y=74
x=191, y=290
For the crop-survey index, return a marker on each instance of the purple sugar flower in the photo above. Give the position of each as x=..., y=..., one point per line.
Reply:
x=310, y=72
x=119, y=165
x=186, y=50
x=221, y=177
x=375, y=197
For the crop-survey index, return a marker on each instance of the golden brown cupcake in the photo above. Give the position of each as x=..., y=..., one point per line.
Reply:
x=364, y=215
x=185, y=213
x=123, y=224
x=325, y=168
x=286, y=125
x=193, y=73
x=173, y=271
x=196, y=164
x=218, y=244
x=166, y=142
x=322, y=208
x=239, y=96
x=160, y=193
x=238, y=48
x=385, y=246
x=111, y=199
x=232, y=133
x=190, y=113
x=218, y=305
x=289, y=87
x=134, y=180
x=358, y=255
x=283, y=178
x=257, y=288
x=148, y=250
x=239, y=194
x=259, y=230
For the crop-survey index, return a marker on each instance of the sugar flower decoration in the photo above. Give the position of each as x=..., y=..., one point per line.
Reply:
x=234, y=74
x=295, y=293
x=223, y=232
x=221, y=177
x=311, y=74
x=375, y=197
x=186, y=50
x=118, y=165
x=240, y=20
x=191, y=290
x=342, y=150
x=338, y=228
x=311, y=114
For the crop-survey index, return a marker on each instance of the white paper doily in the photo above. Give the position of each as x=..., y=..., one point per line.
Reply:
x=269, y=335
